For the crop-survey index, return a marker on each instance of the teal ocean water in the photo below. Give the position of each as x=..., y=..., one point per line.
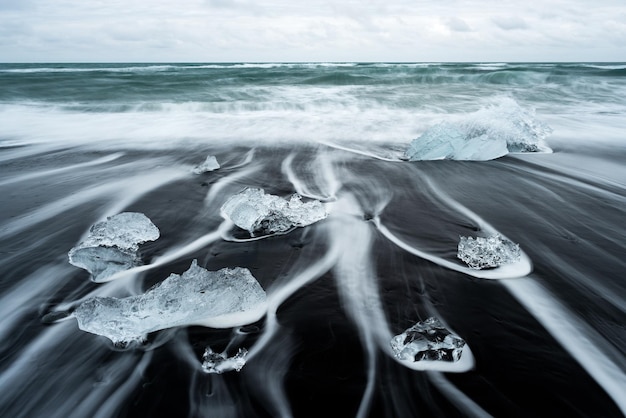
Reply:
x=166, y=103
x=407, y=160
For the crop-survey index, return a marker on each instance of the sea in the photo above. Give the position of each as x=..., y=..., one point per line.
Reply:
x=544, y=333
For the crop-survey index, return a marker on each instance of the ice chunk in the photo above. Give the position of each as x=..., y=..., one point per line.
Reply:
x=209, y=164
x=103, y=262
x=219, y=363
x=125, y=231
x=483, y=135
x=218, y=299
x=111, y=246
x=257, y=212
x=448, y=141
x=427, y=340
x=494, y=251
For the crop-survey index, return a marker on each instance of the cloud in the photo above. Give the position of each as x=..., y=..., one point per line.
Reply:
x=311, y=30
x=232, y=4
x=16, y=4
x=510, y=22
x=457, y=25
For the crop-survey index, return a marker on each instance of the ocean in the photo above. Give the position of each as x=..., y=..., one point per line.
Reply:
x=406, y=159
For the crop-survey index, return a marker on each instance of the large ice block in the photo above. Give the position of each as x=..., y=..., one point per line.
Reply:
x=260, y=213
x=487, y=134
x=218, y=299
x=427, y=340
x=448, y=141
x=210, y=164
x=219, y=363
x=490, y=252
x=111, y=245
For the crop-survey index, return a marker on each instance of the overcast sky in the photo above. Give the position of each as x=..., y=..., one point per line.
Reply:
x=311, y=30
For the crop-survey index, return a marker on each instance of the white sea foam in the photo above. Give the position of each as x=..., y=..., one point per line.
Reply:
x=56, y=171
x=520, y=268
x=319, y=175
x=606, y=66
x=584, y=343
x=72, y=69
x=294, y=118
x=121, y=192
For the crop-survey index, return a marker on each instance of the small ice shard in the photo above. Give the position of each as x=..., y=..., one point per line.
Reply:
x=218, y=299
x=257, y=212
x=479, y=253
x=218, y=363
x=111, y=245
x=427, y=340
x=210, y=164
x=487, y=134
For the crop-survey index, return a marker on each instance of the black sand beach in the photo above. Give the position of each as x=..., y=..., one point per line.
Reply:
x=548, y=344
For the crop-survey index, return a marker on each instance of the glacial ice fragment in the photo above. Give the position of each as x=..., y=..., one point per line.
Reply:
x=427, y=340
x=209, y=164
x=111, y=245
x=218, y=362
x=487, y=134
x=257, y=212
x=447, y=141
x=479, y=253
x=218, y=299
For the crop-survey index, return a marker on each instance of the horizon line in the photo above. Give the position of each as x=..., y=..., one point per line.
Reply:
x=315, y=62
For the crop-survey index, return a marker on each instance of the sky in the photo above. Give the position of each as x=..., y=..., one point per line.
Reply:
x=312, y=30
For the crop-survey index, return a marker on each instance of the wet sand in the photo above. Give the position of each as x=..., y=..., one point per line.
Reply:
x=549, y=343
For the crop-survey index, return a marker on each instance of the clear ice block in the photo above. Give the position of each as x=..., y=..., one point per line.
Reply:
x=111, y=245
x=223, y=298
x=210, y=164
x=427, y=340
x=487, y=134
x=219, y=363
x=480, y=253
x=260, y=213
